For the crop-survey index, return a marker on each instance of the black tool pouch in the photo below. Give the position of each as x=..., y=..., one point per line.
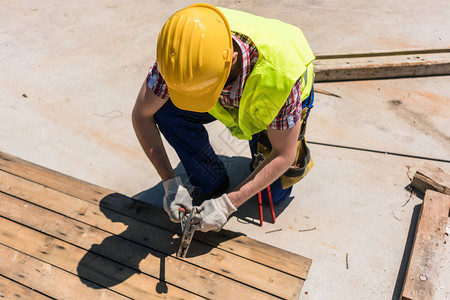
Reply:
x=303, y=162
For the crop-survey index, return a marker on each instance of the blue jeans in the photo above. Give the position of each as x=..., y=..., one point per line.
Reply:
x=185, y=132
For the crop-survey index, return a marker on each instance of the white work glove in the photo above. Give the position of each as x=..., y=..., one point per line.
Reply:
x=176, y=196
x=213, y=213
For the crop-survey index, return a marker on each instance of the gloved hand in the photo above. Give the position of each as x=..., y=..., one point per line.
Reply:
x=213, y=213
x=176, y=196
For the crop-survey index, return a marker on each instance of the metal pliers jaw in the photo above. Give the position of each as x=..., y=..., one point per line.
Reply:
x=188, y=229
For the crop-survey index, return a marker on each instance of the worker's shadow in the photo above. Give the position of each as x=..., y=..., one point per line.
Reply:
x=149, y=232
x=397, y=293
x=118, y=257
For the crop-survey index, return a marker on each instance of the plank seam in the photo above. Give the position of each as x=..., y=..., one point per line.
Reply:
x=260, y=263
x=19, y=283
x=94, y=253
x=16, y=160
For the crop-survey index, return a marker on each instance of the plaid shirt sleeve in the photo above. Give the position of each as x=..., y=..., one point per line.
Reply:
x=291, y=112
x=156, y=82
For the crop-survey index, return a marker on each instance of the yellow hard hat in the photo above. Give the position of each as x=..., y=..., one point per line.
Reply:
x=194, y=55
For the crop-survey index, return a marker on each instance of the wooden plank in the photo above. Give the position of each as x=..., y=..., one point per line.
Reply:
x=376, y=67
x=423, y=270
x=232, y=266
x=238, y=244
x=47, y=279
x=88, y=266
x=12, y=290
x=431, y=178
x=175, y=271
x=350, y=54
x=51, y=178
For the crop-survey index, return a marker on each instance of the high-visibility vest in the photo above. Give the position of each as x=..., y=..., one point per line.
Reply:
x=284, y=56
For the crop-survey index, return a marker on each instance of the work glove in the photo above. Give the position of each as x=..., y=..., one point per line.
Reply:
x=213, y=213
x=176, y=196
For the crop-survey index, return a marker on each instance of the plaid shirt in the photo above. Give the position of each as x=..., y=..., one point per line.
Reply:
x=290, y=112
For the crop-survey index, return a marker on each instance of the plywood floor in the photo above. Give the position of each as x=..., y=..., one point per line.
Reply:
x=64, y=238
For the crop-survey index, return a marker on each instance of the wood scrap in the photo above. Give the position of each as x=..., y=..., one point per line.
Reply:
x=431, y=178
x=422, y=274
x=316, y=90
x=305, y=230
x=346, y=261
x=272, y=231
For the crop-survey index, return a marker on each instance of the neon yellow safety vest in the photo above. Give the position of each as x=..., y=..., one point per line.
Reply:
x=284, y=56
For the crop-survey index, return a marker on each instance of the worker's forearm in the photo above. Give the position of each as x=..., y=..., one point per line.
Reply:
x=265, y=174
x=150, y=140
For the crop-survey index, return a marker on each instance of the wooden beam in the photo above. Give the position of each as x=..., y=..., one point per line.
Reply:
x=431, y=178
x=422, y=275
x=385, y=65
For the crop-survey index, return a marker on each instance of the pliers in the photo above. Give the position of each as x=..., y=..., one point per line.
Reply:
x=269, y=193
x=187, y=229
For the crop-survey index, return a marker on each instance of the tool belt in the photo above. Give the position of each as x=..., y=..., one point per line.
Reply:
x=303, y=162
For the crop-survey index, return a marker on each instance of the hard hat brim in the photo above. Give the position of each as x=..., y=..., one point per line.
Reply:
x=192, y=102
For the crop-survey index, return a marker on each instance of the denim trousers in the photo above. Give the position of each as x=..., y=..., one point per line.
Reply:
x=186, y=133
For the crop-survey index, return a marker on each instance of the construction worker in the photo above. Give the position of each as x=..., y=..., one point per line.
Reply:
x=252, y=74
